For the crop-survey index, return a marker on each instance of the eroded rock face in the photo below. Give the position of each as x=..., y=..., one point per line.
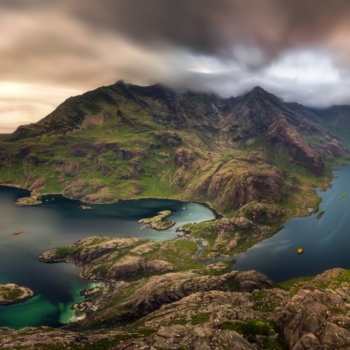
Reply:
x=162, y=293
x=263, y=213
x=282, y=134
x=184, y=158
x=231, y=224
x=237, y=183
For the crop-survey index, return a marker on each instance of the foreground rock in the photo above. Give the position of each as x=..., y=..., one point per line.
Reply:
x=199, y=310
x=157, y=222
x=12, y=294
x=188, y=337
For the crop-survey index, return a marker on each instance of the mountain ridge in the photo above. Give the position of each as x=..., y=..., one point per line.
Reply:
x=253, y=156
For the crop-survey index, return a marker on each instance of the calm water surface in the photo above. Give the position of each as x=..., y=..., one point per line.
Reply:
x=61, y=222
x=326, y=242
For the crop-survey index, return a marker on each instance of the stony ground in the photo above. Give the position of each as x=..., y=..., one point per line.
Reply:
x=230, y=311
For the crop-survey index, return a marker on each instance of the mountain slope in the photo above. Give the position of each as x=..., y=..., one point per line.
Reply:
x=254, y=158
x=125, y=141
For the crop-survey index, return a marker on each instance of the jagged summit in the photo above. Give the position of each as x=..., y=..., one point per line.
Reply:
x=256, y=114
x=188, y=109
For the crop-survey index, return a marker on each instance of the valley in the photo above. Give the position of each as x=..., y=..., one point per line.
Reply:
x=129, y=153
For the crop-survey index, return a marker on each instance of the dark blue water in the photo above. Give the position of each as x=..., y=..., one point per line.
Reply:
x=326, y=242
x=61, y=222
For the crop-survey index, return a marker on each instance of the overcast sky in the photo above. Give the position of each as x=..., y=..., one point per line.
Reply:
x=53, y=49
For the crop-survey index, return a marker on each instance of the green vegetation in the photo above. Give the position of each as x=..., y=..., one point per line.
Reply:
x=63, y=252
x=200, y=318
x=287, y=285
x=158, y=222
x=9, y=294
x=252, y=328
x=343, y=196
x=262, y=302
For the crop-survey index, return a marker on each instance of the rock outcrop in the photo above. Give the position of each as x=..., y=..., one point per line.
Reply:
x=199, y=310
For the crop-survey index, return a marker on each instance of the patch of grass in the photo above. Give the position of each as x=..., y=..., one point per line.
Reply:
x=10, y=293
x=62, y=252
x=288, y=284
x=250, y=329
x=233, y=285
x=200, y=318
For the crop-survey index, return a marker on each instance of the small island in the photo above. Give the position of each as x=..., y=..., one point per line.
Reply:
x=299, y=250
x=157, y=222
x=89, y=292
x=27, y=201
x=12, y=294
x=320, y=214
x=343, y=196
x=85, y=207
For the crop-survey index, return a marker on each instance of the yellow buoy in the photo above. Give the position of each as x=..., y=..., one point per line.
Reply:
x=299, y=250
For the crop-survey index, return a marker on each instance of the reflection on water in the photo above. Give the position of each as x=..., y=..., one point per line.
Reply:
x=61, y=222
x=325, y=241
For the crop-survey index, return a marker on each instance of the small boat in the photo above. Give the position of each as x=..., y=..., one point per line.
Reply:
x=183, y=208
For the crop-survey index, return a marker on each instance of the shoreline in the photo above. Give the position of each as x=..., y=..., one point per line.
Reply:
x=32, y=194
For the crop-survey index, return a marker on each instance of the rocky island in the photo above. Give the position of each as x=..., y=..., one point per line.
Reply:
x=27, y=201
x=12, y=294
x=157, y=222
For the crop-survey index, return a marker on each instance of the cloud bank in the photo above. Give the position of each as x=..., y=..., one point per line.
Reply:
x=50, y=50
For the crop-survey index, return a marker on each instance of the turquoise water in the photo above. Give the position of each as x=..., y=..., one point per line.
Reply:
x=61, y=222
x=326, y=241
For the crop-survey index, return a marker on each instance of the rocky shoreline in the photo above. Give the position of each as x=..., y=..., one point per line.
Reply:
x=34, y=195
x=12, y=294
x=27, y=201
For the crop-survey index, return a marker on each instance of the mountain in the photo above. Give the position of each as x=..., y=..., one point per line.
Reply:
x=252, y=156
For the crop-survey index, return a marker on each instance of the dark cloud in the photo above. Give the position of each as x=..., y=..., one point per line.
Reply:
x=216, y=27
x=298, y=49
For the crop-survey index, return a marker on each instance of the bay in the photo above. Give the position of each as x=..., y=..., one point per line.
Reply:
x=60, y=222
